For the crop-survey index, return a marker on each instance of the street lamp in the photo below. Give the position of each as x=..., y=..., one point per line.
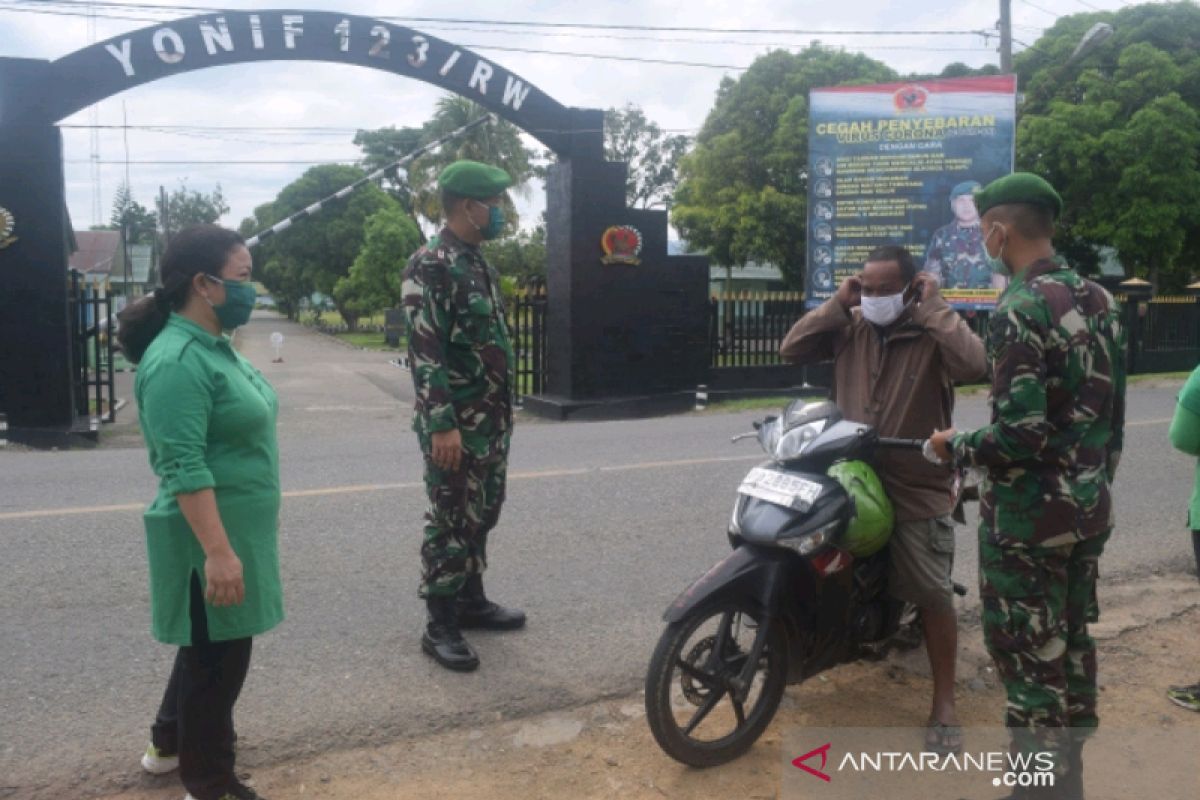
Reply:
x=1096, y=35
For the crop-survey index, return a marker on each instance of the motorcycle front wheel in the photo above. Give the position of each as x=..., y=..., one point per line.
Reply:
x=693, y=706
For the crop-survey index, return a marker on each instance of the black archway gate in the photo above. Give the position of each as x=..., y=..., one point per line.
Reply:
x=625, y=318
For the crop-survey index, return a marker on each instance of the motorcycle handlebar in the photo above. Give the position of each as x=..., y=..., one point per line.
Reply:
x=901, y=444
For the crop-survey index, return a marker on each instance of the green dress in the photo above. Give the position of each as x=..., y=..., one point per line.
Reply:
x=1185, y=437
x=208, y=418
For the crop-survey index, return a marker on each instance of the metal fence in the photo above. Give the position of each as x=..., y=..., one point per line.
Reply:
x=526, y=314
x=747, y=328
x=92, y=323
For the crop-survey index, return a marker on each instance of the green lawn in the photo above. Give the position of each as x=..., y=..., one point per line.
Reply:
x=333, y=318
x=369, y=340
x=1159, y=376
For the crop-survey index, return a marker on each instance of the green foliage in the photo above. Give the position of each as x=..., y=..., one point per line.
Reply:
x=373, y=283
x=132, y=216
x=1116, y=131
x=520, y=256
x=387, y=146
x=312, y=255
x=742, y=194
x=187, y=207
x=652, y=155
x=499, y=144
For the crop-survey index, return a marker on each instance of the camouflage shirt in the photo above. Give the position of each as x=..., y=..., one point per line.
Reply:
x=1058, y=411
x=458, y=345
x=956, y=256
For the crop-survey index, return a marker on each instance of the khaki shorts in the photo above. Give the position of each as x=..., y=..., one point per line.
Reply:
x=921, y=557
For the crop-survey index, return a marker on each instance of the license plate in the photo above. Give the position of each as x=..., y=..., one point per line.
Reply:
x=780, y=488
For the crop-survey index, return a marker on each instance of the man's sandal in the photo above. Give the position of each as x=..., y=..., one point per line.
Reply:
x=1185, y=696
x=943, y=739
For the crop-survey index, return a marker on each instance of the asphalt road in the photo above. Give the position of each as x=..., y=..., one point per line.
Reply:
x=605, y=524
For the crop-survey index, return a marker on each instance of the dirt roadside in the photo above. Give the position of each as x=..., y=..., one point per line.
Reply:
x=1148, y=639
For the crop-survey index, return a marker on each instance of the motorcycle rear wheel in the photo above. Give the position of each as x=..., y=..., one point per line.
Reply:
x=688, y=690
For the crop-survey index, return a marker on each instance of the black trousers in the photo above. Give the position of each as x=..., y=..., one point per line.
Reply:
x=1196, y=547
x=195, y=719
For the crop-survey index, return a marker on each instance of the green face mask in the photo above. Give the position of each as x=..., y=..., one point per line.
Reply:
x=495, y=223
x=239, y=302
x=996, y=262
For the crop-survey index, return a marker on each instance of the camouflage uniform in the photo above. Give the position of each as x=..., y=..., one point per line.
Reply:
x=1058, y=415
x=956, y=256
x=462, y=367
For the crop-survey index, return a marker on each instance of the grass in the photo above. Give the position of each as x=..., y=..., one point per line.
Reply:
x=1158, y=376
x=369, y=341
x=333, y=318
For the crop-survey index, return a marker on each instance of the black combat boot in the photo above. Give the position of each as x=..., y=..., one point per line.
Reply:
x=442, y=638
x=476, y=611
x=1071, y=785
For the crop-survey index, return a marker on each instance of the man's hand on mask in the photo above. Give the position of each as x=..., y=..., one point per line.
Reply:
x=849, y=294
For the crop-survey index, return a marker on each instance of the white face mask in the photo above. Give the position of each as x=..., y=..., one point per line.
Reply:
x=883, y=311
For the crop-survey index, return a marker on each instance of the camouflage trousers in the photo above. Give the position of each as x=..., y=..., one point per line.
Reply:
x=464, y=507
x=1037, y=603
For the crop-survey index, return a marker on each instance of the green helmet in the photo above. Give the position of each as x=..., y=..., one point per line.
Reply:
x=873, y=518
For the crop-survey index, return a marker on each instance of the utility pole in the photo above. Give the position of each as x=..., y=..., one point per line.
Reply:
x=163, y=217
x=1006, y=36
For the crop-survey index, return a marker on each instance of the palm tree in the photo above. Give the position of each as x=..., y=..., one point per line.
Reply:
x=498, y=144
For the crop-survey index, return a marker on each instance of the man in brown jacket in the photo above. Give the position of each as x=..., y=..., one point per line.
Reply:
x=897, y=350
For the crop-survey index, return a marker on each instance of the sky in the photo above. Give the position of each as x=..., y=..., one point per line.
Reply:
x=331, y=101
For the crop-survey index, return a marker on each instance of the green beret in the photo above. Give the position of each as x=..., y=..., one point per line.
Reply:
x=472, y=179
x=1019, y=187
x=966, y=187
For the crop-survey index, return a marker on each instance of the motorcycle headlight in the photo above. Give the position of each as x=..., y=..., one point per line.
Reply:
x=793, y=443
x=810, y=543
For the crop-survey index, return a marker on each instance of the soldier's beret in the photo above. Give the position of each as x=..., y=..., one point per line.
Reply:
x=1019, y=187
x=475, y=180
x=966, y=187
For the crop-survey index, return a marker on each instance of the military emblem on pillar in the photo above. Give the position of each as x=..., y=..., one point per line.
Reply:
x=8, y=224
x=622, y=244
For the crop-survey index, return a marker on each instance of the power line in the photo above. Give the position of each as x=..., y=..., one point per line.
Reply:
x=611, y=57
x=1043, y=10
x=535, y=24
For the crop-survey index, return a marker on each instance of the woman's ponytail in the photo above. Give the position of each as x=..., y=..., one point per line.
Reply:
x=198, y=249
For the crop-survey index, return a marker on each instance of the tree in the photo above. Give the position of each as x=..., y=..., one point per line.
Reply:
x=312, y=255
x=521, y=256
x=652, y=155
x=386, y=146
x=742, y=191
x=187, y=207
x=1116, y=132
x=373, y=283
x=131, y=216
x=498, y=144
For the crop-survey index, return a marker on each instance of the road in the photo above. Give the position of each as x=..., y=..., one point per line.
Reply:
x=606, y=523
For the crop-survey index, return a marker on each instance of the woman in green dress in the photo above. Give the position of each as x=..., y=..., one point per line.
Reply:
x=208, y=418
x=1185, y=437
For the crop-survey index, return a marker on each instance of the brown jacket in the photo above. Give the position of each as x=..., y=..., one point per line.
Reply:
x=901, y=381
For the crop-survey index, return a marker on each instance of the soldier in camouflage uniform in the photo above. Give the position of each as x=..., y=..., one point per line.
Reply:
x=1050, y=454
x=955, y=253
x=462, y=366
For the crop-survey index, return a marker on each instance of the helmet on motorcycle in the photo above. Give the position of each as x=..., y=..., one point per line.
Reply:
x=873, y=516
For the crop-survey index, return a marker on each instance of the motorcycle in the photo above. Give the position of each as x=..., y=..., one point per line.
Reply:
x=787, y=603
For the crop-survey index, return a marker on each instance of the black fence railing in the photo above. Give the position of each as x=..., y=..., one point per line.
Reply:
x=747, y=328
x=92, y=324
x=526, y=314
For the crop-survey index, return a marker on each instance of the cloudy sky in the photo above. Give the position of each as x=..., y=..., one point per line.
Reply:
x=312, y=109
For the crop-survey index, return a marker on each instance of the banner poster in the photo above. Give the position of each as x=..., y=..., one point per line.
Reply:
x=898, y=163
